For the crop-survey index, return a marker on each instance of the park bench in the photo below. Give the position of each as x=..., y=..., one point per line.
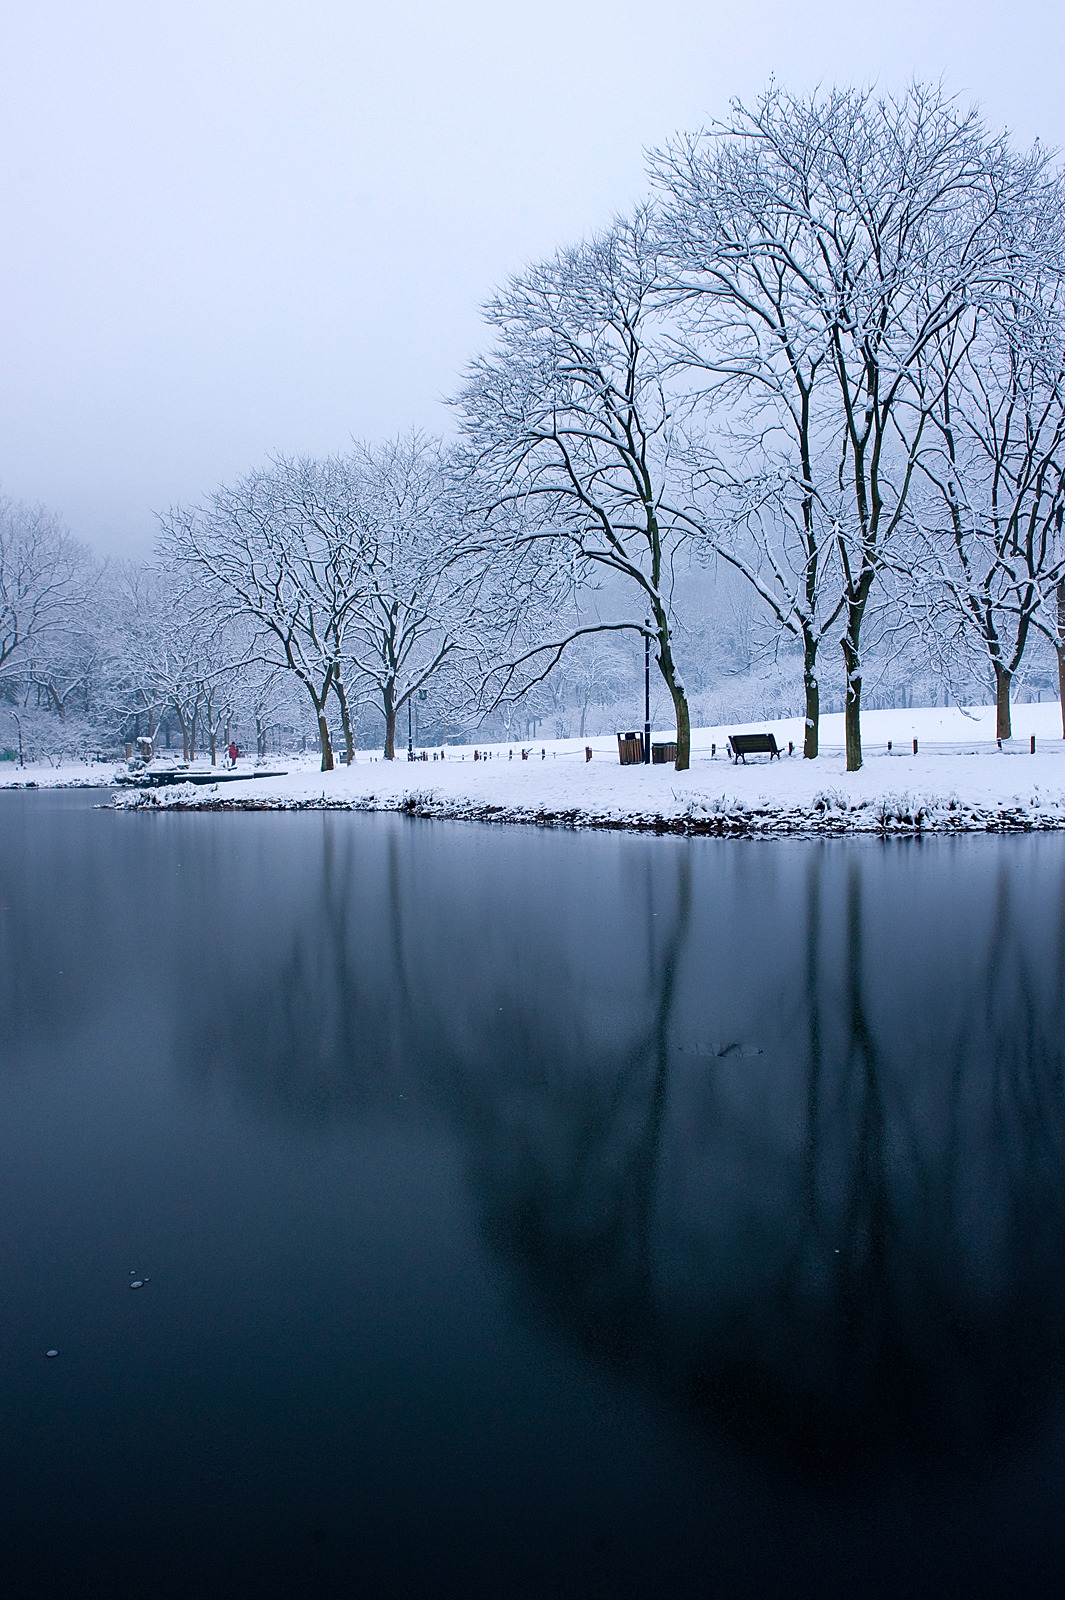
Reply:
x=743, y=745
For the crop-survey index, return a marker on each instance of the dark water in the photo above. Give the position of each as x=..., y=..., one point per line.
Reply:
x=526, y=1214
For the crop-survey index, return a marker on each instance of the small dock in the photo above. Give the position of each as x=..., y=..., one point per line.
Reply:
x=160, y=777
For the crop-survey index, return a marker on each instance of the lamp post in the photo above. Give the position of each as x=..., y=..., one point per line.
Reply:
x=1059, y=644
x=410, y=734
x=647, y=692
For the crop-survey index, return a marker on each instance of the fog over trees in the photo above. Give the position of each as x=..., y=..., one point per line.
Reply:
x=798, y=420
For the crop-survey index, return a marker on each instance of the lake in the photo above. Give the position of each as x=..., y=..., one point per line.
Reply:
x=526, y=1213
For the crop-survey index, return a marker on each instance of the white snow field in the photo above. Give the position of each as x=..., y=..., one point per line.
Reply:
x=959, y=781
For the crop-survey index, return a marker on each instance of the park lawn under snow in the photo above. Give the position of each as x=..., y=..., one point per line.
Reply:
x=958, y=782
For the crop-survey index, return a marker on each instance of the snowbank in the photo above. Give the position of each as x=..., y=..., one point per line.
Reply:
x=960, y=781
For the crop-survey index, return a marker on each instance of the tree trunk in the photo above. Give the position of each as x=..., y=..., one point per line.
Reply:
x=390, y=722
x=345, y=718
x=676, y=692
x=324, y=741
x=852, y=710
x=1003, y=679
x=1060, y=652
x=684, y=728
x=813, y=700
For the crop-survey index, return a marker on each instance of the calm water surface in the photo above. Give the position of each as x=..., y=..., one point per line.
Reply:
x=525, y=1213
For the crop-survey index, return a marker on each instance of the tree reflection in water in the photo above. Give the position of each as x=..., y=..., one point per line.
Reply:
x=777, y=1129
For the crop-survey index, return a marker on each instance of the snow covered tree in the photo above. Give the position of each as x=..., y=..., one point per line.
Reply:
x=416, y=604
x=44, y=579
x=161, y=652
x=568, y=426
x=747, y=335
x=345, y=572
x=599, y=671
x=279, y=554
x=820, y=247
x=1052, y=623
x=994, y=469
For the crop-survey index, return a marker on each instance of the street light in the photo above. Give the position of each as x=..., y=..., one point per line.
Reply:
x=647, y=692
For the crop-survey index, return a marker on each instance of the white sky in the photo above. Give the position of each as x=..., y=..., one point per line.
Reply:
x=237, y=226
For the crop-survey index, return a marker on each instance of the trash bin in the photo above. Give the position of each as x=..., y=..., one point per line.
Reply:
x=662, y=753
x=630, y=749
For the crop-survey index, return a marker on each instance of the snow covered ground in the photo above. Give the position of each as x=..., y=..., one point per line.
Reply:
x=958, y=782
x=64, y=774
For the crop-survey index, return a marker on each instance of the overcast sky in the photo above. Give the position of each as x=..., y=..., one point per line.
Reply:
x=242, y=226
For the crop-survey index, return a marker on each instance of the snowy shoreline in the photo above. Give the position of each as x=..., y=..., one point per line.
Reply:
x=898, y=815
x=959, y=782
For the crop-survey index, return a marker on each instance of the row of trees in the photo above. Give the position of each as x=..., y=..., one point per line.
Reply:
x=346, y=574
x=826, y=355
x=829, y=352
x=331, y=581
